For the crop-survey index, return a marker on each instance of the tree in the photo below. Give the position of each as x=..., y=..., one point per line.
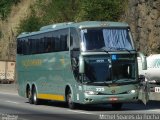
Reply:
x=31, y=23
x=101, y=10
x=57, y=11
x=5, y=7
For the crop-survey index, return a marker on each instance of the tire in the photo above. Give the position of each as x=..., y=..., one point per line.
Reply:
x=30, y=96
x=117, y=106
x=36, y=101
x=70, y=103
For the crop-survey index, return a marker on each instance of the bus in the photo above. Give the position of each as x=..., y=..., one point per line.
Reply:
x=90, y=62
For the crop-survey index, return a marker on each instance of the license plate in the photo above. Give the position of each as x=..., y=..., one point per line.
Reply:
x=113, y=99
x=157, y=89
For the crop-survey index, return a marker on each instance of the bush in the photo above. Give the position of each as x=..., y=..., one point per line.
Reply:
x=31, y=23
x=101, y=10
x=5, y=7
x=56, y=11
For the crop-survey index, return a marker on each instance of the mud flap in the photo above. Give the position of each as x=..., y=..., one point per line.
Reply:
x=144, y=92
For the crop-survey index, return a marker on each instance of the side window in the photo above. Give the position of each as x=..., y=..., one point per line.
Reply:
x=25, y=46
x=59, y=40
x=74, y=39
x=41, y=44
x=48, y=44
x=33, y=46
x=74, y=52
x=19, y=46
x=57, y=43
x=64, y=40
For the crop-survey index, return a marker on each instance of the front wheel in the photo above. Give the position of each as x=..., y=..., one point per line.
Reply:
x=117, y=106
x=70, y=102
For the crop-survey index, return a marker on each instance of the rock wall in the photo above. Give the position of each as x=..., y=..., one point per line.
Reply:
x=142, y=15
x=144, y=19
x=9, y=27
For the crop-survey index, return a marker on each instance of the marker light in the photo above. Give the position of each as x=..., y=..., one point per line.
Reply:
x=132, y=91
x=91, y=92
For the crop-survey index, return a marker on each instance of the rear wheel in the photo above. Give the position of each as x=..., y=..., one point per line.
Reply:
x=30, y=96
x=70, y=102
x=36, y=101
x=117, y=106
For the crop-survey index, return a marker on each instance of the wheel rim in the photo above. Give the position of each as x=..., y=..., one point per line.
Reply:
x=35, y=96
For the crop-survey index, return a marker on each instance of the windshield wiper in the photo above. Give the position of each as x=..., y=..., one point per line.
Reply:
x=104, y=49
x=124, y=80
x=114, y=48
x=99, y=50
x=104, y=83
x=124, y=49
x=87, y=82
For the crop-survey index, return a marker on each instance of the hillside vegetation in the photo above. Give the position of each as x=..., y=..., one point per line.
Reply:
x=18, y=16
x=56, y=11
x=5, y=7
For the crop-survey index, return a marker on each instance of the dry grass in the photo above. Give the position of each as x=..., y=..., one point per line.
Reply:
x=9, y=26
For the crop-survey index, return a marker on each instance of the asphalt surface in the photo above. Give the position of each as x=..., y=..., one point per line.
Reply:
x=15, y=107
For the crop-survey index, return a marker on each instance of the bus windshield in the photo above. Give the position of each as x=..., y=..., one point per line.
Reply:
x=112, y=39
x=121, y=69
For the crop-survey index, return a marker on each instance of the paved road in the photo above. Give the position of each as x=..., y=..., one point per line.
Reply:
x=14, y=106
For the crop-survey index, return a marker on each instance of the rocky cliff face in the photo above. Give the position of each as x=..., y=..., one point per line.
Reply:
x=8, y=29
x=142, y=15
x=144, y=19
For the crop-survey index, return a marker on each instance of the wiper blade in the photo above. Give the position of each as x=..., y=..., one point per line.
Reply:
x=124, y=80
x=104, y=49
x=99, y=50
x=104, y=82
x=123, y=49
x=87, y=82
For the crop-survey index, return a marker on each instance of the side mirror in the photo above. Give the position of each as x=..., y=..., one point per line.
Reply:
x=144, y=61
x=81, y=65
x=141, y=78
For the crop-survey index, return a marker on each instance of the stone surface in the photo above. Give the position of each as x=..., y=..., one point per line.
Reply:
x=144, y=19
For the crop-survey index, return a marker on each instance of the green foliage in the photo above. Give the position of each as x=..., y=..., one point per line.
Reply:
x=101, y=10
x=5, y=7
x=31, y=23
x=57, y=11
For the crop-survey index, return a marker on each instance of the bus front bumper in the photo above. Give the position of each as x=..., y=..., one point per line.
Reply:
x=118, y=98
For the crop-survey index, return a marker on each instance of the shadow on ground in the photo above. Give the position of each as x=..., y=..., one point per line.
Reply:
x=138, y=106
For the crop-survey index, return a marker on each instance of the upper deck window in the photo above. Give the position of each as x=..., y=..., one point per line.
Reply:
x=111, y=39
x=54, y=41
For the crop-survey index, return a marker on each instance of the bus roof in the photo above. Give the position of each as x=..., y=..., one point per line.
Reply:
x=80, y=25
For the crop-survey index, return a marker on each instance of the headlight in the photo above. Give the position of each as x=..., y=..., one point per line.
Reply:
x=132, y=91
x=91, y=92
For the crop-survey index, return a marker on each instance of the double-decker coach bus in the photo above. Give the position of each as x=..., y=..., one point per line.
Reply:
x=92, y=62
